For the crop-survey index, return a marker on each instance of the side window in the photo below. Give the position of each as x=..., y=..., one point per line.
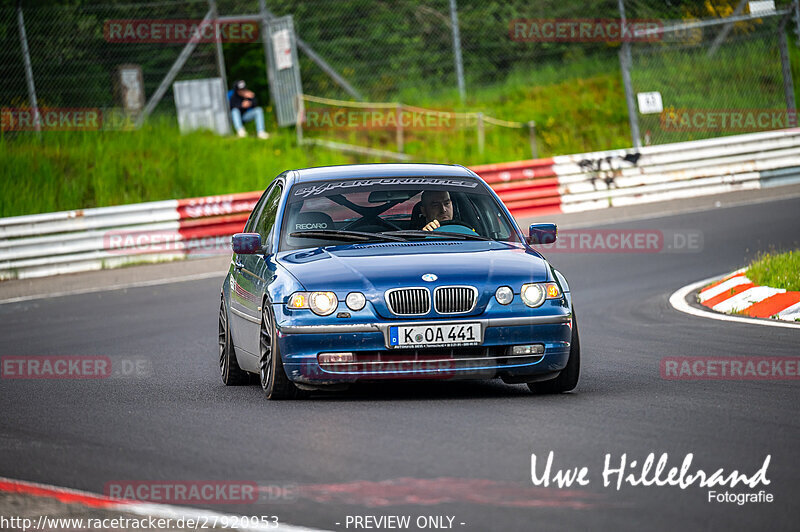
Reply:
x=249, y=226
x=267, y=218
x=251, y=221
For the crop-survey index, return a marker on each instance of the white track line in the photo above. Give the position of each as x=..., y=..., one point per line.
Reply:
x=136, y=284
x=678, y=302
x=176, y=512
x=165, y=511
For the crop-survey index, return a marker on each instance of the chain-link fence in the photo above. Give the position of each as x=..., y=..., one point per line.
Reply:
x=405, y=50
x=75, y=56
x=384, y=50
x=715, y=76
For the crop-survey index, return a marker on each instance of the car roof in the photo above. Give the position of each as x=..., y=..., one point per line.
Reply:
x=345, y=171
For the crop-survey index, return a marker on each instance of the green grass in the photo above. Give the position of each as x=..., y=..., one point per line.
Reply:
x=576, y=109
x=75, y=170
x=778, y=270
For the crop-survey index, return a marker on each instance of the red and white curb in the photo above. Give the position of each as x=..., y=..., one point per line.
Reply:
x=735, y=293
x=165, y=511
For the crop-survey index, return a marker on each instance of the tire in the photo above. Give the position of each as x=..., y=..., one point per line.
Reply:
x=272, y=376
x=568, y=378
x=232, y=374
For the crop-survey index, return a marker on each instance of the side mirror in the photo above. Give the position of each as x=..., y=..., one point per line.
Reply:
x=246, y=243
x=542, y=234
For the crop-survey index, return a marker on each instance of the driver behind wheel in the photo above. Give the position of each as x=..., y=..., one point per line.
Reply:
x=436, y=207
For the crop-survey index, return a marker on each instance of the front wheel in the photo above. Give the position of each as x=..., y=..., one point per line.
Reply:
x=568, y=378
x=274, y=382
x=232, y=374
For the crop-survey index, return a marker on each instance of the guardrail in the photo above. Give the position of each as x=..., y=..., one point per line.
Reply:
x=91, y=239
x=597, y=180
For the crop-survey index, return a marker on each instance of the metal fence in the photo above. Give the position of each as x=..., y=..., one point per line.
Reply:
x=406, y=49
x=74, y=60
x=419, y=50
x=715, y=76
x=394, y=120
x=381, y=50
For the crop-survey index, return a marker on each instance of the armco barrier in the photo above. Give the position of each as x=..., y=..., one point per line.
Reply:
x=597, y=180
x=71, y=241
x=91, y=239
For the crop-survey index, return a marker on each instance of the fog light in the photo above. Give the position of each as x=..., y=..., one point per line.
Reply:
x=355, y=300
x=335, y=358
x=504, y=295
x=535, y=349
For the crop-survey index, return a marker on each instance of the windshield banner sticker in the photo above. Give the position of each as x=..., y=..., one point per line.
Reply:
x=315, y=190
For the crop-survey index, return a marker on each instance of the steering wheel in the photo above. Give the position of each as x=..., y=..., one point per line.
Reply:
x=456, y=222
x=376, y=221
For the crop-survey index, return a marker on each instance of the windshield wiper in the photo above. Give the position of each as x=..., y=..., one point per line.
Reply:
x=353, y=236
x=423, y=234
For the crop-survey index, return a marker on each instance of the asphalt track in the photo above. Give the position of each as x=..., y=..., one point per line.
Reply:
x=460, y=449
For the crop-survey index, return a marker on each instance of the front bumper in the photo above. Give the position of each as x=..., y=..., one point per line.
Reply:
x=301, y=344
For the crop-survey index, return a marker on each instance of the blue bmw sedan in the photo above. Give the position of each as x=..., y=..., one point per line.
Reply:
x=392, y=271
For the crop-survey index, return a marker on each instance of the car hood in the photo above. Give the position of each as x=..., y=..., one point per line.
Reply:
x=375, y=268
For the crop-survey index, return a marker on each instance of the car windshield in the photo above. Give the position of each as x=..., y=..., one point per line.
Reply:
x=330, y=213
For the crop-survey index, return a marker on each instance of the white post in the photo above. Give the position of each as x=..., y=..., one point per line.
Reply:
x=532, y=139
x=23, y=39
x=399, y=133
x=481, y=134
x=625, y=65
x=457, y=50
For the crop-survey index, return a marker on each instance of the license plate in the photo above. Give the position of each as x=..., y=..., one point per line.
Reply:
x=445, y=335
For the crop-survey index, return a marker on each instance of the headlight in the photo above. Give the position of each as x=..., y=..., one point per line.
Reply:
x=533, y=294
x=322, y=303
x=504, y=295
x=355, y=300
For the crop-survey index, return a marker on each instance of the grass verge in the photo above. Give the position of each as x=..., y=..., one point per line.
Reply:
x=84, y=169
x=778, y=270
x=76, y=170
